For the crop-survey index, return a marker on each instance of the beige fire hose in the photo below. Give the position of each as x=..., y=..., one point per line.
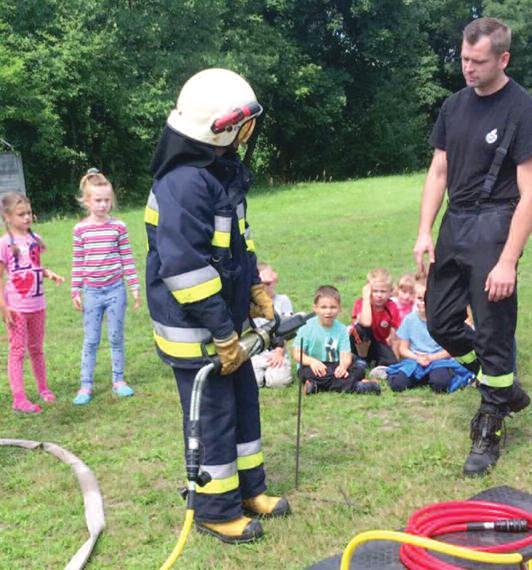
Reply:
x=92, y=498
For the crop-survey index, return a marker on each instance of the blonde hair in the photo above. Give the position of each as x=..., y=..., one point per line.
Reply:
x=8, y=203
x=406, y=282
x=380, y=275
x=263, y=265
x=93, y=177
x=266, y=273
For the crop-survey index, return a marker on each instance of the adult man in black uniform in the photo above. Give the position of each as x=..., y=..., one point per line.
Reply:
x=484, y=230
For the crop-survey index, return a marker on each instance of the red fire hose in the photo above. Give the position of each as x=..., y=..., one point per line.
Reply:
x=463, y=516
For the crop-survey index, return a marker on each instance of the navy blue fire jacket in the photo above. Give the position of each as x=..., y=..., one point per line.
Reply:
x=201, y=262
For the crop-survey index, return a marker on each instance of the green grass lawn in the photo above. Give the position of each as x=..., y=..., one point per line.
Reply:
x=366, y=462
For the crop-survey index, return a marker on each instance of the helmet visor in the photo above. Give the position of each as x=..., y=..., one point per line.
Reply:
x=245, y=132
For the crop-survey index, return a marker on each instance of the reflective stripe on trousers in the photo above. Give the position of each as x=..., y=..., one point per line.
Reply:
x=230, y=437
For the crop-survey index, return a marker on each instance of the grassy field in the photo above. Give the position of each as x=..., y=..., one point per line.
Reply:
x=366, y=462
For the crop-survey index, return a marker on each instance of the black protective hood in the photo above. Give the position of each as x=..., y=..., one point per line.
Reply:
x=174, y=149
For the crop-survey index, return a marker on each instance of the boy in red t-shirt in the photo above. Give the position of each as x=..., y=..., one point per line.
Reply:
x=375, y=319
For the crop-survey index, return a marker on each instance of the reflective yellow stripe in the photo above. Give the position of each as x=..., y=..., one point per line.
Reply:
x=151, y=216
x=467, y=358
x=250, y=461
x=221, y=239
x=250, y=245
x=182, y=349
x=502, y=381
x=198, y=292
x=242, y=225
x=217, y=486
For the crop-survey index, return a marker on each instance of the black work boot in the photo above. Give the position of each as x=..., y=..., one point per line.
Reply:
x=519, y=400
x=486, y=429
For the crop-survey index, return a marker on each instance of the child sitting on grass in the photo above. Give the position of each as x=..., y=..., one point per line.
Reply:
x=405, y=295
x=375, y=319
x=425, y=361
x=325, y=358
x=272, y=367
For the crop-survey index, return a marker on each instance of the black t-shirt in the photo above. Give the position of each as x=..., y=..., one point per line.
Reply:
x=470, y=128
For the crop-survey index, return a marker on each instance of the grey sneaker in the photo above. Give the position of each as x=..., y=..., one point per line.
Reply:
x=379, y=373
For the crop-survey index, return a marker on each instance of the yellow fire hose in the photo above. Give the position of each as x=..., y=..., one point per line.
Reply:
x=180, y=544
x=429, y=543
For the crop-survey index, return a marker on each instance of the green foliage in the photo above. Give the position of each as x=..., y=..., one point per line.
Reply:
x=349, y=88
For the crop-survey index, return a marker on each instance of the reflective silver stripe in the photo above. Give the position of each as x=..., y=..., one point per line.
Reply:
x=222, y=224
x=220, y=471
x=181, y=334
x=248, y=448
x=191, y=278
x=247, y=233
x=152, y=202
x=240, y=212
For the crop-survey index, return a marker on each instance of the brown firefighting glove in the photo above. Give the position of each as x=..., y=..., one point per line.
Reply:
x=230, y=353
x=261, y=303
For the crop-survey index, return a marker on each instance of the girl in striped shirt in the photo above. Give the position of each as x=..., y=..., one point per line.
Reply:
x=101, y=260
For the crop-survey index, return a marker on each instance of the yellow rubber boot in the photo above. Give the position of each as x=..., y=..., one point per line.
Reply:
x=265, y=506
x=236, y=531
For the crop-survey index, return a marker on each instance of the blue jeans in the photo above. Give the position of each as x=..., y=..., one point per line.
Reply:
x=97, y=301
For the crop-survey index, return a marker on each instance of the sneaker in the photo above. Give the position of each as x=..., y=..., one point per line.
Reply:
x=486, y=430
x=48, y=396
x=310, y=387
x=84, y=396
x=379, y=373
x=26, y=407
x=122, y=389
x=367, y=387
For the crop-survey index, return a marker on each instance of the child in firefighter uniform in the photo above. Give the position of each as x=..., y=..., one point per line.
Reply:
x=203, y=286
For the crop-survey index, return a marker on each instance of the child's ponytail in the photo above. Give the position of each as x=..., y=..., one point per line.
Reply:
x=93, y=178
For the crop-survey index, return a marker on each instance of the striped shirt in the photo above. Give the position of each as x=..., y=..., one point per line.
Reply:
x=101, y=255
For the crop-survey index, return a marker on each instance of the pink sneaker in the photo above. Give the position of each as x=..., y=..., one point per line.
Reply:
x=48, y=396
x=26, y=407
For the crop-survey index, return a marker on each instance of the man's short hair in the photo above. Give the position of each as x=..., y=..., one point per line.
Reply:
x=327, y=291
x=499, y=33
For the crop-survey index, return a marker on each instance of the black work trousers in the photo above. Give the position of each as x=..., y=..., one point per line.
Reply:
x=469, y=245
x=329, y=382
x=379, y=352
x=230, y=439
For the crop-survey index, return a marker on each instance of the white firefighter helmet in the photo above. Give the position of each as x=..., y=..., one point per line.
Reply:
x=217, y=107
